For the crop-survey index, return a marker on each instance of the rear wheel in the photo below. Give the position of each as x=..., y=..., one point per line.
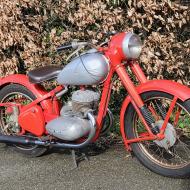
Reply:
x=173, y=161
x=8, y=122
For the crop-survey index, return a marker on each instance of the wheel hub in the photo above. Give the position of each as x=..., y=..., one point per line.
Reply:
x=12, y=124
x=170, y=135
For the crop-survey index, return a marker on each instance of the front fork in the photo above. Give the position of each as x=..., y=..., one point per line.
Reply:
x=165, y=116
x=137, y=102
x=144, y=113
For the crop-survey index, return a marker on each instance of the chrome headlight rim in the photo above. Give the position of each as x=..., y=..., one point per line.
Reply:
x=125, y=46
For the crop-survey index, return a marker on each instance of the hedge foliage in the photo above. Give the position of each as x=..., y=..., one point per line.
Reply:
x=32, y=29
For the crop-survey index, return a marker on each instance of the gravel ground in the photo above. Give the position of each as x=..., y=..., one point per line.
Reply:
x=111, y=168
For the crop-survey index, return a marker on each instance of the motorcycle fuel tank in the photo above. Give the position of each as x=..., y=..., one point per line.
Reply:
x=86, y=69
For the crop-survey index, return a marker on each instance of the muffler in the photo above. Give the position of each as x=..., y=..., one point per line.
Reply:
x=86, y=142
x=8, y=139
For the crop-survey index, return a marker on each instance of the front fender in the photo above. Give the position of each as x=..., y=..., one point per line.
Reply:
x=21, y=79
x=170, y=87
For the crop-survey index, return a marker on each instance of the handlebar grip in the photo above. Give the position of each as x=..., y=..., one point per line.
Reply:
x=64, y=47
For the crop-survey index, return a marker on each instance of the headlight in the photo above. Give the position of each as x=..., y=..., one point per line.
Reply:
x=132, y=46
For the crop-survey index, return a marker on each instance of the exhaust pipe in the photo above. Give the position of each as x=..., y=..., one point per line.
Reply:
x=20, y=140
x=32, y=141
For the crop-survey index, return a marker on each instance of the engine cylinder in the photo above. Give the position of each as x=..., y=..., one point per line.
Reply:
x=84, y=100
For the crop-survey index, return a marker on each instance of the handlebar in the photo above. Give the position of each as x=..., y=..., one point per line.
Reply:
x=75, y=44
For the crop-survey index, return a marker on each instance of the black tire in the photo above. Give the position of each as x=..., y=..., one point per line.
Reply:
x=137, y=147
x=107, y=124
x=15, y=88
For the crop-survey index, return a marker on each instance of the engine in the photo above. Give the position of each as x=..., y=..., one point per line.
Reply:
x=73, y=122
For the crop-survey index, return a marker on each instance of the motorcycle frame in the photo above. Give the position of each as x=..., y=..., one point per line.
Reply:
x=50, y=103
x=52, y=111
x=51, y=107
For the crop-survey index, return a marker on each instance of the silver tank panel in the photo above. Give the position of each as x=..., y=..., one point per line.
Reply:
x=87, y=69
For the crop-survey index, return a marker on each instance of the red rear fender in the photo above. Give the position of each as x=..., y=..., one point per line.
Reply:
x=37, y=90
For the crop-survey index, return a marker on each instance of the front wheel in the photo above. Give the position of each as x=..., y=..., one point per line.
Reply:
x=173, y=161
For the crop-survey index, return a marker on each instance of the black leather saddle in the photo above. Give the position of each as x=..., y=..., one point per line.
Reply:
x=44, y=73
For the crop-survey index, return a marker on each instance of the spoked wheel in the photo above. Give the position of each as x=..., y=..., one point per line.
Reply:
x=9, y=121
x=171, y=159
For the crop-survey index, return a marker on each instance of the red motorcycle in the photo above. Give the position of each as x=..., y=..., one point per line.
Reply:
x=154, y=118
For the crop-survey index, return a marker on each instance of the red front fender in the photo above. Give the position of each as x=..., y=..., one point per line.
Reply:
x=170, y=87
x=37, y=90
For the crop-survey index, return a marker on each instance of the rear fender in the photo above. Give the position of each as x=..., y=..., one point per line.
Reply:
x=36, y=89
x=180, y=91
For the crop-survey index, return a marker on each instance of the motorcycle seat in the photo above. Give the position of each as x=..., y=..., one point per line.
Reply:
x=44, y=73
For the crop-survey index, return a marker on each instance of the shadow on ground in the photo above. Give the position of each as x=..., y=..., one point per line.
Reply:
x=109, y=168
